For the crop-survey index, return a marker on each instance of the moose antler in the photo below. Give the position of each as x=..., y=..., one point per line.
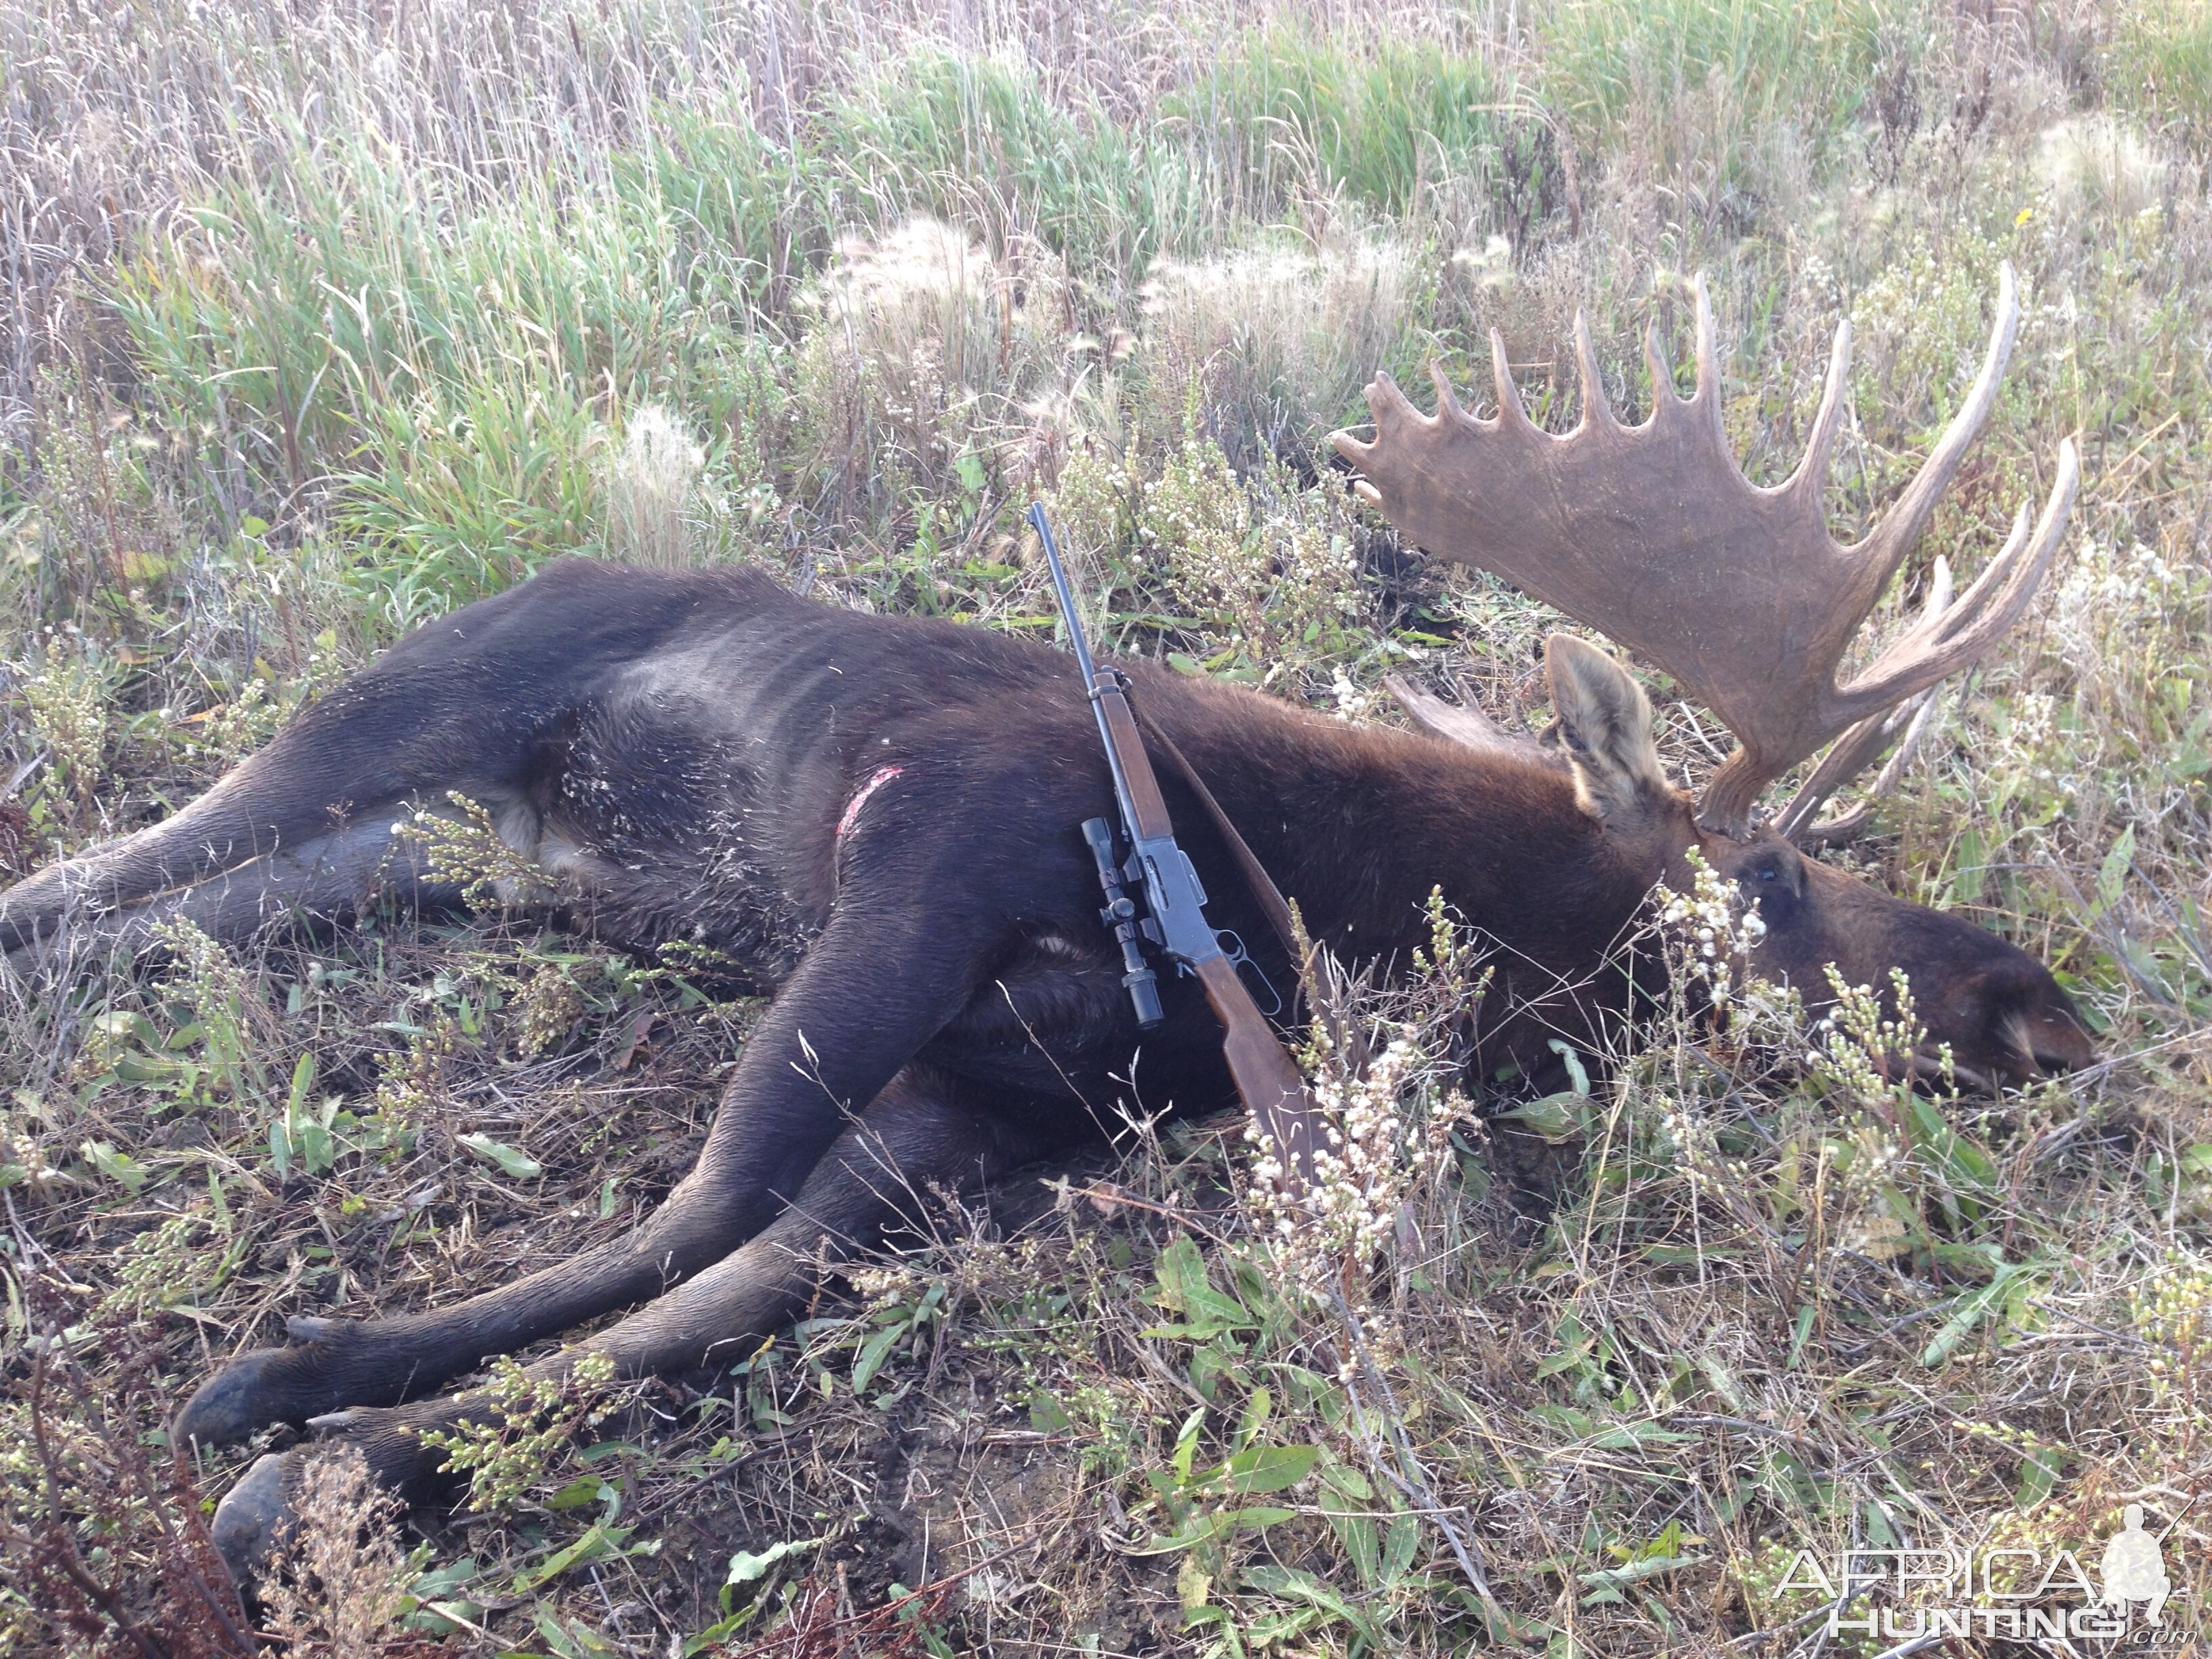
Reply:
x=1652, y=535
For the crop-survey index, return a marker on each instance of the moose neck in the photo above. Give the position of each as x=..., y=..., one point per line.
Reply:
x=1358, y=826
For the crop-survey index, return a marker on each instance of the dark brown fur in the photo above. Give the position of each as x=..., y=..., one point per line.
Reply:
x=678, y=748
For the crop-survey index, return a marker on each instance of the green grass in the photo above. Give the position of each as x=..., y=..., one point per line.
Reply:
x=441, y=367
x=1285, y=109
x=2161, y=65
x=979, y=142
x=1617, y=68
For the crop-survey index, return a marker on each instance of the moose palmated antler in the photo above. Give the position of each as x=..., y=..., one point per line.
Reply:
x=1652, y=535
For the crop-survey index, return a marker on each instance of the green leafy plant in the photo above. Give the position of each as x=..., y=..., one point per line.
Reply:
x=521, y=1425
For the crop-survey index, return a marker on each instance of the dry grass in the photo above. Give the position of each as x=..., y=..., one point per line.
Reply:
x=652, y=489
x=335, y=1584
x=316, y=323
x=1274, y=343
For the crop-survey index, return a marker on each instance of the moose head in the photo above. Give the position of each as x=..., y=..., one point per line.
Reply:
x=1651, y=535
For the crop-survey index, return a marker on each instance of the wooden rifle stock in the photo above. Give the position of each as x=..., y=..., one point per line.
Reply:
x=1148, y=812
x=1267, y=1080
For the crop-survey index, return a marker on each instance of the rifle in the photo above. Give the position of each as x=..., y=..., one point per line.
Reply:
x=1174, y=915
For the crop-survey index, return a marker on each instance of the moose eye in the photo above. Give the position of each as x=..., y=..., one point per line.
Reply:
x=1773, y=879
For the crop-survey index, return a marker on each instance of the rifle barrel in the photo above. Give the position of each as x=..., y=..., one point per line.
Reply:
x=1043, y=528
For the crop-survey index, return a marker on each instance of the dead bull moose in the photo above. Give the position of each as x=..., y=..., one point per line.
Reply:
x=877, y=819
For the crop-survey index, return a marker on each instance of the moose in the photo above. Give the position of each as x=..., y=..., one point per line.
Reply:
x=876, y=819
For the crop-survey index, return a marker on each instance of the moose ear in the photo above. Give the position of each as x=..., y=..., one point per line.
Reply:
x=1607, y=722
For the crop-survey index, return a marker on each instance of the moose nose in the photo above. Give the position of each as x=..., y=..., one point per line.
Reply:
x=2046, y=1042
x=2064, y=1046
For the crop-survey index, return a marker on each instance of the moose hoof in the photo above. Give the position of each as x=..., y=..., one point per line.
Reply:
x=307, y=1327
x=233, y=1403
x=251, y=1517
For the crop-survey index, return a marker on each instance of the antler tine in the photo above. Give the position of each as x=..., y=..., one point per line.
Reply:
x=1448, y=404
x=1597, y=412
x=1835, y=831
x=1709, y=367
x=1390, y=407
x=1858, y=748
x=1888, y=543
x=1706, y=398
x=1940, y=646
x=1464, y=724
x=1391, y=410
x=1852, y=753
x=1501, y=372
x=1811, y=478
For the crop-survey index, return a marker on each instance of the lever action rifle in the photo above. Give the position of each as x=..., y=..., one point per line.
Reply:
x=1173, y=917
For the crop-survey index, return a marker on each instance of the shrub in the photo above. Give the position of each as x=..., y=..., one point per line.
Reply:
x=922, y=351
x=1265, y=348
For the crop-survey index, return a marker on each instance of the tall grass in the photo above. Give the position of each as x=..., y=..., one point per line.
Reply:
x=1288, y=110
x=980, y=141
x=2161, y=64
x=437, y=369
x=1611, y=64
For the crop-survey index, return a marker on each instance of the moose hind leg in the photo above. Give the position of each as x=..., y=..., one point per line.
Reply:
x=392, y=732
x=324, y=879
x=874, y=1181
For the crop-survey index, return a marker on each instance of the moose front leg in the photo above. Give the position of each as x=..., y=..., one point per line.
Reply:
x=875, y=1179
x=868, y=995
